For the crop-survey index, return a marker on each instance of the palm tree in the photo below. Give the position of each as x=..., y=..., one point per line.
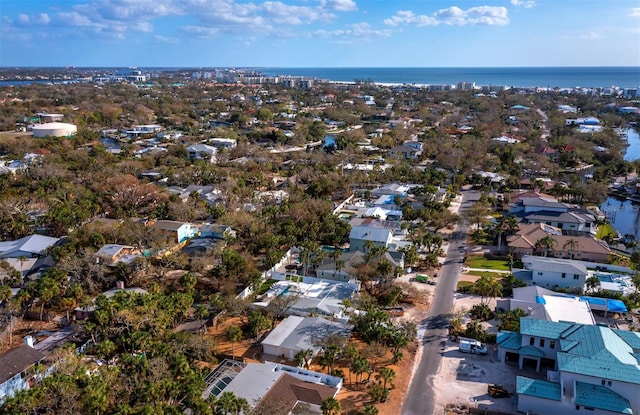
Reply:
x=486, y=287
x=233, y=334
x=511, y=225
x=5, y=293
x=387, y=375
x=257, y=323
x=370, y=410
x=545, y=244
x=329, y=356
x=359, y=366
x=330, y=406
x=303, y=357
x=572, y=244
x=229, y=403
x=592, y=283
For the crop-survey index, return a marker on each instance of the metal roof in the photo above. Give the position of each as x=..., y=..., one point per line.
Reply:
x=538, y=388
x=556, y=265
x=599, y=351
x=543, y=328
x=370, y=233
x=32, y=244
x=601, y=397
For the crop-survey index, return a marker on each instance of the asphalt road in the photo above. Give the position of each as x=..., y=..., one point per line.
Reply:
x=433, y=331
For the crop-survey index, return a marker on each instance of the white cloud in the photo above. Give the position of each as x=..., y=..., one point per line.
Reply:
x=339, y=5
x=482, y=15
x=199, y=31
x=293, y=15
x=406, y=17
x=585, y=36
x=37, y=19
x=74, y=19
x=527, y=4
x=208, y=17
x=355, y=31
x=23, y=19
x=635, y=12
x=166, y=39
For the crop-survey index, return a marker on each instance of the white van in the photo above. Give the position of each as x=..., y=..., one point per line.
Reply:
x=466, y=345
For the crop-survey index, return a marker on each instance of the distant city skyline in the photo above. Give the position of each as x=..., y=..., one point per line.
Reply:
x=319, y=33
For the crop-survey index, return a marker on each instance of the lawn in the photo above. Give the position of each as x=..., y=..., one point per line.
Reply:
x=605, y=230
x=482, y=262
x=489, y=274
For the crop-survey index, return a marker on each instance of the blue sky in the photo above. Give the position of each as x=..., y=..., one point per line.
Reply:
x=320, y=33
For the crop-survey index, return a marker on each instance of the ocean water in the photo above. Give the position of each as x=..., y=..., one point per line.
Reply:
x=561, y=77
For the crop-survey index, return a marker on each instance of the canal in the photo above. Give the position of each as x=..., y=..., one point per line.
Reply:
x=624, y=215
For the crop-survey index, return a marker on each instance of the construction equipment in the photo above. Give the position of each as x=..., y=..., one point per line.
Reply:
x=497, y=391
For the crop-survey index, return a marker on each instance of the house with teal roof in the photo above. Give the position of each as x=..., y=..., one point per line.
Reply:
x=592, y=368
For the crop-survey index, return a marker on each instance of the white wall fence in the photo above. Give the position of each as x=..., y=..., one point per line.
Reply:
x=288, y=256
x=343, y=204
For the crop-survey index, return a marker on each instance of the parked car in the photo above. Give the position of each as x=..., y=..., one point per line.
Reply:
x=422, y=278
x=466, y=345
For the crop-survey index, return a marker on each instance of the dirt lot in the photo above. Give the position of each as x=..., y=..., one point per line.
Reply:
x=463, y=378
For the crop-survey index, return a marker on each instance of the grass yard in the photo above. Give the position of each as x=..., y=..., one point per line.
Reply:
x=497, y=275
x=462, y=284
x=482, y=262
x=605, y=230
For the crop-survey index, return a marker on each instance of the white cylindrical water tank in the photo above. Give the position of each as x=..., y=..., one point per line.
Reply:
x=54, y=129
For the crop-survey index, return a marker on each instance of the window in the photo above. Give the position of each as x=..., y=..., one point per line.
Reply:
x=576, y=276
x=609, y=383
x=603, y=382
x=564, y=275
x=531, y=341
x=539, y=273
x=541, y=342
x=552, y=344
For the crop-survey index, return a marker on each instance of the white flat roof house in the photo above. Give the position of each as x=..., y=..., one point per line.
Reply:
x=556, y=272
x=297, y=333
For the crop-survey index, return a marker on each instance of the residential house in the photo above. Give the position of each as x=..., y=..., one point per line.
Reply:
x=227, y=143
x=361, y=236
x=32, y=246
x=551, y=153
x=409, y=150
x=582, y=247
x=181, y=231
x=15, y=373
x=281, y=387
x=347, y=266
x=393, y=189
x=592, y=368
x=112, y=254
x=311, y=296
x=86, y=311
x=548, y=210
x=210, y=194
x=217, y=231
x=202, y=152
x=542, y=304
x=297, y=333
x=555, y=272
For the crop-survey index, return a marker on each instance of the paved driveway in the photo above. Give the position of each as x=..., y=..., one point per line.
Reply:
x=432, y=332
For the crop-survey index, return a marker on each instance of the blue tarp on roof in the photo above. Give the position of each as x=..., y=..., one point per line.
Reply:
x=610, y=304
x=540, y=300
